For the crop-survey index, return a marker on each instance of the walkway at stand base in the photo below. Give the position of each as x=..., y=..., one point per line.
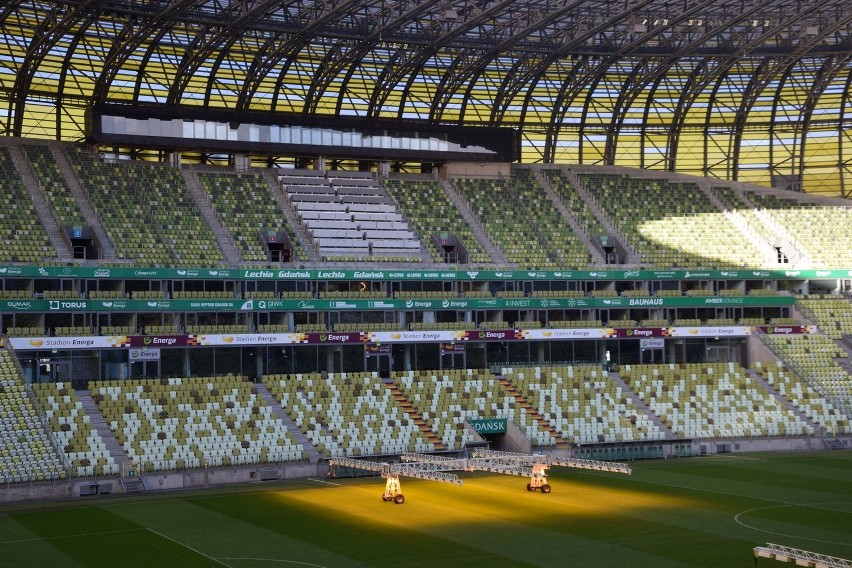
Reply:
x=799, y=557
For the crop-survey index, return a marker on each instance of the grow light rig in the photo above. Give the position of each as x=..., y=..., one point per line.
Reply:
x=440, y=468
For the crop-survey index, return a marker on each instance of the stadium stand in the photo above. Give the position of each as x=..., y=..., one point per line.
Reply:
x=583, y=404
x=22, y=236
x=180, y=423
x=82, y=444
x=821, y=230
x=522, y=221
x=804, y=398
x=350, y=217
x=813, y=358
x=426, y=204
x=147, y=212
x=348, y=414
x=53, y=183
x=711, y=400
x=831, y=312
x=446, y=399
x=246, y=205
x=671, y=223
x=26, y=451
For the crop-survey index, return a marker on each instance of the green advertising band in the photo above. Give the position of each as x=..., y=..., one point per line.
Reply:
x=134, y=306
x=293, y=274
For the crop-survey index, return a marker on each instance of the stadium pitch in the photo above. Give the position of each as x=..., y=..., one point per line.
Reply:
x=703, y=511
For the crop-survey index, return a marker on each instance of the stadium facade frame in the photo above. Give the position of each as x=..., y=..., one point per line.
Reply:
x=750, y=90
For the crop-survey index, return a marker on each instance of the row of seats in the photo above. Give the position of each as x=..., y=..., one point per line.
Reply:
x=583, y=404
x=193, y=422
x=22, y=236
x=26, y=450
x=348, y=414
x=80, y=441
x=446, y=399
x=671, y=224
x=711, y=400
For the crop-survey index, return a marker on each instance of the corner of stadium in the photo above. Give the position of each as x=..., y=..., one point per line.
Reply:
x=459, y=283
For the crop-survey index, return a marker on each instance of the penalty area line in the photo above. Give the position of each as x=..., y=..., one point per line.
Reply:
x=186, y=546
x=323, y=481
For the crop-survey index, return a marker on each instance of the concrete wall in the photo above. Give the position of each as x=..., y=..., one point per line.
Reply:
x=474, y=170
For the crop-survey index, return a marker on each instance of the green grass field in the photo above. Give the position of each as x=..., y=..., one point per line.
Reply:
x=708, y=511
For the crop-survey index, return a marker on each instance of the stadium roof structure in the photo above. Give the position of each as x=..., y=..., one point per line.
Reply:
x=750, y=90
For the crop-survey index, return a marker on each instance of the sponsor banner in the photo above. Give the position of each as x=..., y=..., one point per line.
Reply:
x=11, y=306
x=710, y=331
x=373, y=350
x=160, y=340
x=566, y=333
x=489, y=425
x=448, y=340
x=81, y=342
x=294, y=274
x=453, y=347
x=417, y=336
x=652, y=343
x=144, y=354
x=787, y=329
x=494, y=335
x=640, y=332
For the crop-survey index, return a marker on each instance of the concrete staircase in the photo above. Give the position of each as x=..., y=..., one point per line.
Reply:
x=406, y=406
x=476, y=228
x=784, y=402
x=99, y=423
x=632, y=255
x=54, y=232
x=202, y=201
x=591, y=246
x=297, y=434
x=794, y=251
x=640, y=404
x=86, y=208
x=521, y=402
x=737, y=220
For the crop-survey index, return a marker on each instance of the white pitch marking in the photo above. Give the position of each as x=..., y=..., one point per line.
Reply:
x=322, y=481
x=277, y=560
x=195, y=550
x=70, y=536
x=813, y=506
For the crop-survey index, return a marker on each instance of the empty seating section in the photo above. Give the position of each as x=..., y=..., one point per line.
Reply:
x=804, y=398
x=83, y=445
x=26, y=451
x=575, y=204
x=22, y=236
x=426, y=204
x=583, y=404
x=671, y=224
x=147, y=212
x=181, y=423
x=832, y=313
x=347, y=414
x=53, y=183
x=523, y=222
x=216, y=329
x=446, y=399
x=711, y=400
x=821, y=230
x=247, y=207
x=350, y=217
x=733, y=202
x=812, y=358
